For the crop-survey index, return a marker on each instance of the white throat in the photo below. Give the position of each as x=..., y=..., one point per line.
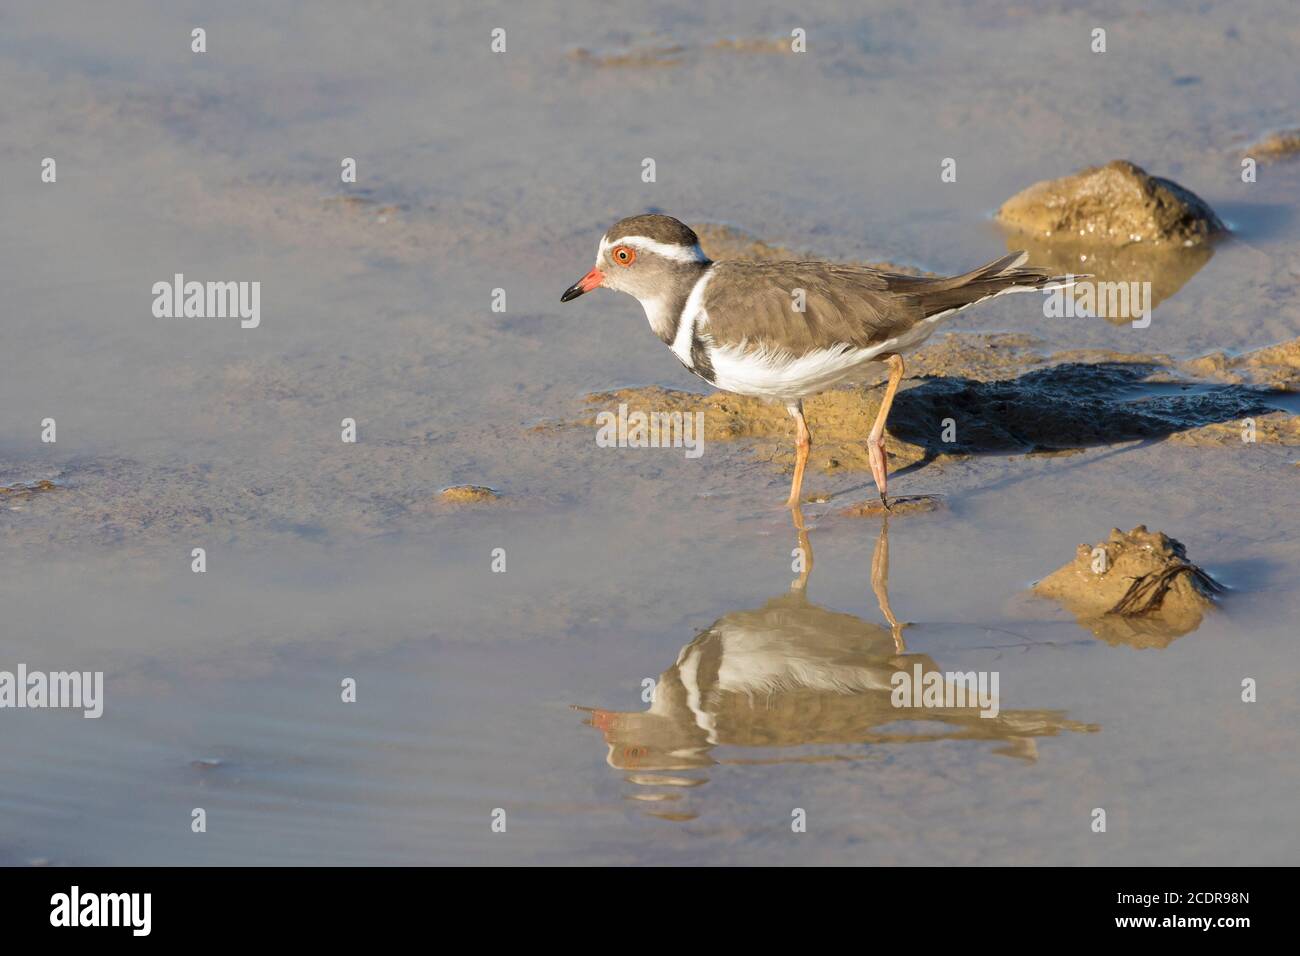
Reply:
x=661, y=315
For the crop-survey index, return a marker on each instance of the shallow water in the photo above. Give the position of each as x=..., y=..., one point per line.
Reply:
x=328, y=561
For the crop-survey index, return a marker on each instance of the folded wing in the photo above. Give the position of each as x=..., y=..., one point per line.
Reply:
x=754, y=304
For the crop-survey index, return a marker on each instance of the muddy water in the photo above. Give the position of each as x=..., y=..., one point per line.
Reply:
x=328, y=561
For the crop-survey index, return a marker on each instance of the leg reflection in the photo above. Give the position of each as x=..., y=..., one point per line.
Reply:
x=805, y=548
x=880, y=584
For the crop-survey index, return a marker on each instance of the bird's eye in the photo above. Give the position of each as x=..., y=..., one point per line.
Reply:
x=624, y=255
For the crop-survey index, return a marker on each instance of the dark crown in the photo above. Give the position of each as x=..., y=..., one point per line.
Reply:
x=664, y=229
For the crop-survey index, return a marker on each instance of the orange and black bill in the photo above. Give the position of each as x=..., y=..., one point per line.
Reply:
x=588, y=282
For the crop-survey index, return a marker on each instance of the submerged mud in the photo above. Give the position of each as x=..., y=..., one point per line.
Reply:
x=1136, y=588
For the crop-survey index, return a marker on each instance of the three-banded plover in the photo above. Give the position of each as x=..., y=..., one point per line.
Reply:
x=784, y=331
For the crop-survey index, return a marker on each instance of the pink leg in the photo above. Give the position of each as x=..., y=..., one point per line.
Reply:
x=876, y=440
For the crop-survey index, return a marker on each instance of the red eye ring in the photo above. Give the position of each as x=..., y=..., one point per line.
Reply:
x=623, y=255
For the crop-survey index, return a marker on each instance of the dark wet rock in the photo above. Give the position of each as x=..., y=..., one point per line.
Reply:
x=1115, y=204
x=1136, y=588
x=1277, y=145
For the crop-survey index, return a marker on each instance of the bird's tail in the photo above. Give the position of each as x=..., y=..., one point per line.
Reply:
x=1008, y=273
x=944, y=297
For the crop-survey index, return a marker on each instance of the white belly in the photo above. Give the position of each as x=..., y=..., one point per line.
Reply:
x=785, y=377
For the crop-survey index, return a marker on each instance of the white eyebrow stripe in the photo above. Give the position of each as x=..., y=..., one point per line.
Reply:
x=665, y=249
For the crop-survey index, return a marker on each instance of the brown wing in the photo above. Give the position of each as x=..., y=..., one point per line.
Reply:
x=754, y=302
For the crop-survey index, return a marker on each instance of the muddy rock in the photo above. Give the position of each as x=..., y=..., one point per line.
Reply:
x=1136, y=588
x=468, y=494
x=1277, y=145
x=1114, y=205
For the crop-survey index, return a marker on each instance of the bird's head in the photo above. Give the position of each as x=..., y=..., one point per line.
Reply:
x=645, y=256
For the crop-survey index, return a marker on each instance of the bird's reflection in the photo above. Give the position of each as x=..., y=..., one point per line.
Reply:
x=792, y=674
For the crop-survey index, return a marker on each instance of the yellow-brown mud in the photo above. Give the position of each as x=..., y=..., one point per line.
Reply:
x=468, y=494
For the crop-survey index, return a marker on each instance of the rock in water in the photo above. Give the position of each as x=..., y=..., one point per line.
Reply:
x=1115, y=204
x=1135, y=588
x=468, y=494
